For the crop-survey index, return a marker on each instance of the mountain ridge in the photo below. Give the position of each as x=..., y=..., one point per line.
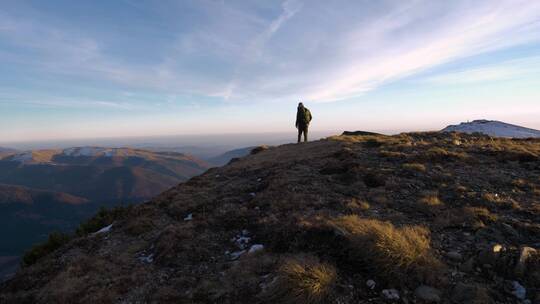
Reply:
x=409, y=217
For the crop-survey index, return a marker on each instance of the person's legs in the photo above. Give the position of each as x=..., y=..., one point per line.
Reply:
x=305, y=134
x=299, y=133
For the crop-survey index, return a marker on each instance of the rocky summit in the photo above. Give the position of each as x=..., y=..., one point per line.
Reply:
x=411, y=218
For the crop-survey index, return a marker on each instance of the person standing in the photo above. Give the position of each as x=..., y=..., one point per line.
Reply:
x=303, y=118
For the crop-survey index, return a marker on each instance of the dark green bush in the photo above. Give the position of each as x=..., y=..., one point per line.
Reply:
x=55, y=241
x=103, y=218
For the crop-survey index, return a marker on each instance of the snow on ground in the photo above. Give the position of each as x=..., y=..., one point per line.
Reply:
x=91, y=151
x=104, y=229
x=24, y=157
x=493, y=128
x=84, y=151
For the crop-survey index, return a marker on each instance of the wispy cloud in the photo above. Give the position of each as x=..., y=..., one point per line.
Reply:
x=503, y=71
x=319, y=50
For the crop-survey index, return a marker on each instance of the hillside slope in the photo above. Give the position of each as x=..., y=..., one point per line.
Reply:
x=26, y=215
x=100, y=174
x=433, y=217
x=493, y=128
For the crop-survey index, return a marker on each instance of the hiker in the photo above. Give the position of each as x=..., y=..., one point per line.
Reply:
x=303, y=117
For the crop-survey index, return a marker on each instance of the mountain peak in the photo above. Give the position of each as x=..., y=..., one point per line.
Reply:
x=493, y=128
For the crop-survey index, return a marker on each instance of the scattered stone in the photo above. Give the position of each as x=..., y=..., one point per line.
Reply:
x=468, y=266
x=515, y=288
x=255, y=248
x=525, y=253
x=454, y=256
x=469, y=293
x=235, y=255
x=509, y=230
x=428, y=294
x=259, y=149
x=104, y=229
x=371, y=284
x=490, y=255
x=189, y=217
x=390, y=294
x=147, y=259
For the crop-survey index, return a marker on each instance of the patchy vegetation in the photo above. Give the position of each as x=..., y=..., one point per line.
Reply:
x=103, y=218
x=55, y=240
x=416, y=217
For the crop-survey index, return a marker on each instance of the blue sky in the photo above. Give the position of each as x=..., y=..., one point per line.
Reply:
x=76, y=69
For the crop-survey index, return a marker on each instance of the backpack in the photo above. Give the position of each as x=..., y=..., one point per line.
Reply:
x=304, y=117
x=307, y=115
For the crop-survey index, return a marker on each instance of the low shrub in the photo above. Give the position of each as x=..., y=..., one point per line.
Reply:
x=103, y=218
x=441, y=154
x=356, y=205
x=55, y=241
x=394, y=253
x=302, y=280
x=416, y=167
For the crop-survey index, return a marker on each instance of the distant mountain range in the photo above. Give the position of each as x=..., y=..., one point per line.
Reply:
x=224, y=158
x=100, y=174
x=493, y=128
x=6, y=151
x=53, y=190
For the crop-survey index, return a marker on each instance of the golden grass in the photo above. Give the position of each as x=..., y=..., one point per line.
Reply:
x=393, y=252
x=414, y=167
x=302, y=280
x=356, y=205
x=431, y=200
x=480, y=213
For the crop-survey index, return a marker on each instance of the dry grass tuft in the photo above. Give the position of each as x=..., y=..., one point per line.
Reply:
x=431, y=200
x=479, y=213
x=356, y=205
x=302, y=280
x=441, y=154
x=394, y=252
x=416, y=167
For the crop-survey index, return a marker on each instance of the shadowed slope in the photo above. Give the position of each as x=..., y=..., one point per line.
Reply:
x=321, y=216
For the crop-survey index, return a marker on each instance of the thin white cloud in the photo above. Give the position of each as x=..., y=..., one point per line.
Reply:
x=321, y=51
x=503, y=71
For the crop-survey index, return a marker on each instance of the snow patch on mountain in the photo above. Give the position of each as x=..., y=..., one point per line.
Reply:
x=493, y=128
x=24, y=157
x=90, y=151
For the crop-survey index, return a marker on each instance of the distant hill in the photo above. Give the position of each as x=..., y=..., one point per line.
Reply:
x=100, y=174
x=493, y=128
x=27, y=216
x=224, y=158
x=12, y=194
x=54, y=190
x=6, y=151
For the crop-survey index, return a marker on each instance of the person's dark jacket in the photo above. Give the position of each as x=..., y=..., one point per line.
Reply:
x=303, y=117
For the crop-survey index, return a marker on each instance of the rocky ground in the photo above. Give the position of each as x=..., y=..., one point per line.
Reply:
x=411, y=218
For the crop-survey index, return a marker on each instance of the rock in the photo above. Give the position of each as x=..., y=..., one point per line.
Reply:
x=469, y=293
x=490, y=254
x=454, y=256
x=525, y=253
x=189, y=217
x=371, y=284
x=428, y=294
x=509, y=230
x=259, y=149
x=515, y=288
x=390, y=294
x=468, y=266
x=255, y=248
